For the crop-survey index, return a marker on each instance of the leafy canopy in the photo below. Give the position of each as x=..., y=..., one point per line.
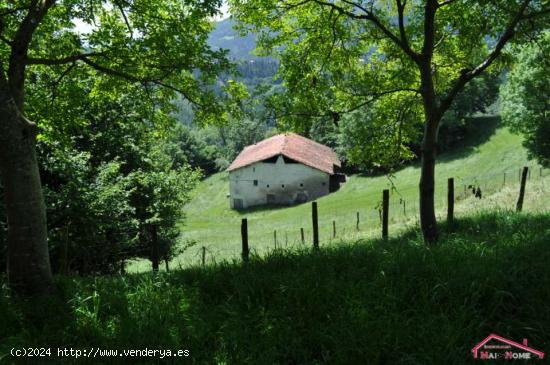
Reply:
x=113, y=175
x=155, y=44
x=340, y=56
x=525, y=97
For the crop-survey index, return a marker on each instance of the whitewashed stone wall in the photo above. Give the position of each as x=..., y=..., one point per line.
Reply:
x=277, y=183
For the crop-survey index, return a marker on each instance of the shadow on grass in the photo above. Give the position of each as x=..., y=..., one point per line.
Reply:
x=367, y=302
x=269, y=208
x=479, y=131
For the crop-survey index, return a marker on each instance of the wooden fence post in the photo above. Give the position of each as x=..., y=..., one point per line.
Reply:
x=357, y=224
x=203, y=255
x=302, y=235
x=519, y=205
x=333, y=229
x=166, y=264
x=385, y=207
x=275, y=238
x=450, y=199
x=244, y=235
x=404, y=207
x=315, y=222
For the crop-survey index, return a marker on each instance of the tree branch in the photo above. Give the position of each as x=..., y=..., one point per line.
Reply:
x=372, y=98
x=444, y=3
x=119, y=6
x=468, y=75
x=20, y=47
x=400, y=11
x=295, y=5
x=429, y=30
x=85, y=57
x=333, y=43
x=141, y=80
x=369, y=16
x=59, y=79
x=61, y=61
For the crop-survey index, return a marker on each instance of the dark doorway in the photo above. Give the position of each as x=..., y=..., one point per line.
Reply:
x=335, y=181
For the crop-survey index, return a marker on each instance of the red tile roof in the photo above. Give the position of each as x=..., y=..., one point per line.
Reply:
x=290, y=145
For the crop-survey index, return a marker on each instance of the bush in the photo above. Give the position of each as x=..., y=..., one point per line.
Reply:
x=113, y=177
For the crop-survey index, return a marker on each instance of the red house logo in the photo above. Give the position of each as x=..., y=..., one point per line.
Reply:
x=495, y=347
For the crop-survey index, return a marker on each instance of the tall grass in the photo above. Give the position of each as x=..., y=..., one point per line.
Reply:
x=364, y=302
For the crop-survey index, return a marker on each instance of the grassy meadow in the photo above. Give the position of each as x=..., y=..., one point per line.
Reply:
x=363, y=302
x=357, y=300
x=482, y=162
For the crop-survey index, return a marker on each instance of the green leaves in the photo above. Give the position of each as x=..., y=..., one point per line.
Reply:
x=159, y=44
x=109, y=167
x=341, y=56
x=390, y=125
x=525, y=97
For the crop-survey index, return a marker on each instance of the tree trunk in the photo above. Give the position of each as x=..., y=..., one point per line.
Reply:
x=432, y=115
x=155, y=255
x=28, y=261
x=428, y=222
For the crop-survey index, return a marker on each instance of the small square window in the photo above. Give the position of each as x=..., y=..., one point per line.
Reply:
x=302, y=185
x=268, y=185
x=283, y=186
x=255, y=182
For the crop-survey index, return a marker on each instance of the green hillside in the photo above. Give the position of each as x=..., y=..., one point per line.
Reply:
x=225, y=37
x=212, y=224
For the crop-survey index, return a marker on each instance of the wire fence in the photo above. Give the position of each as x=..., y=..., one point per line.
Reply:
x=472, y=193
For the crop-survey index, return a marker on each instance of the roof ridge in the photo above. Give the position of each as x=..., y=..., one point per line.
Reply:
x=291, y=145
x=285, y=140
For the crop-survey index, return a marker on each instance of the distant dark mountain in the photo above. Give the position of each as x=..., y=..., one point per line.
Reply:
x=224, y=36
x=252, y=70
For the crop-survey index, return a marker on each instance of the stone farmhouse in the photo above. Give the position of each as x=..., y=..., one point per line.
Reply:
x=285, y=169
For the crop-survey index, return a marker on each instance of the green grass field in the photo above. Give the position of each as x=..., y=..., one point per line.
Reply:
x=212, y=224
x=363, y=302
x=358, y=299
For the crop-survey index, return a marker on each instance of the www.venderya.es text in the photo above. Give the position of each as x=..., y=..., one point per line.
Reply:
x=95, y=352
